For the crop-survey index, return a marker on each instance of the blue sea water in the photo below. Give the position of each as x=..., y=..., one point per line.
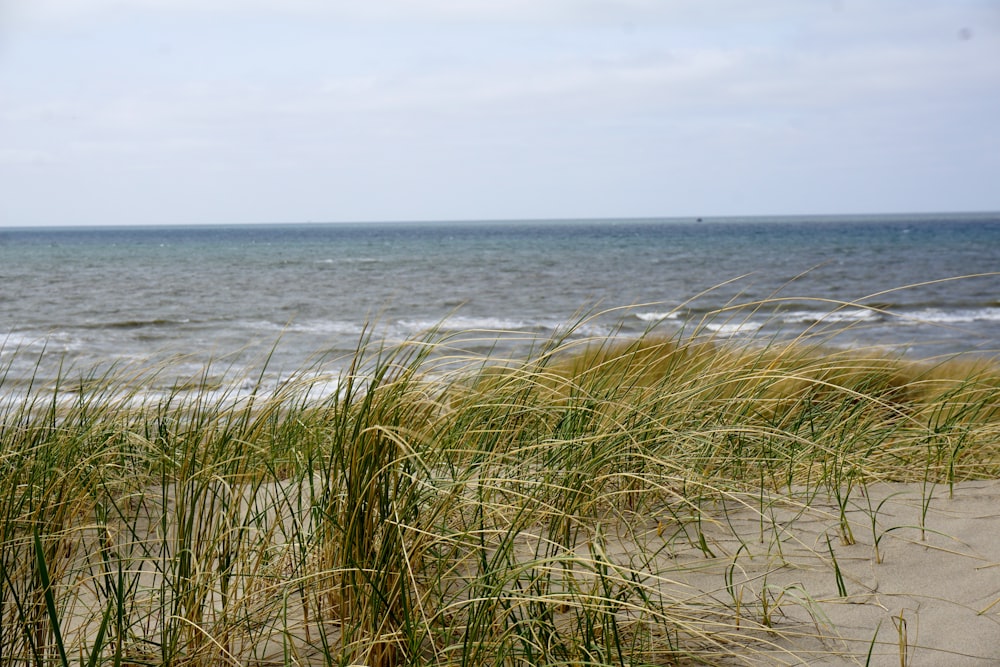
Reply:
x=88, y=298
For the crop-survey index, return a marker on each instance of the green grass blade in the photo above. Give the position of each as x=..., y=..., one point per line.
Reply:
x=95, y=653
x=50, y=601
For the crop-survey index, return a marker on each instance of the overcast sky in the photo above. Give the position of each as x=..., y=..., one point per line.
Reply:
x=239, y=111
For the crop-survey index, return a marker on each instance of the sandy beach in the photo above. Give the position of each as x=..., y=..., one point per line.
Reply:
x=775, y=580
x=934, y=597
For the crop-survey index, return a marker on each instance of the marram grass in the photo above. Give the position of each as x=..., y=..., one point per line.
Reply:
x=431, y=512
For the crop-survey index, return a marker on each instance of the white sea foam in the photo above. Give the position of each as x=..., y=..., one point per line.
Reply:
x=501, y=327
x=56, y=341
x=314, y=326
x=658, y=316
x=340, y=327
x=588, y=330
x=17, y=341
x=463, y=323
x=734, y=328
x=960, y=316
x=842, y=315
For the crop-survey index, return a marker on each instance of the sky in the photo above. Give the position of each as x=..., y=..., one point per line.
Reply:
x=245, y=111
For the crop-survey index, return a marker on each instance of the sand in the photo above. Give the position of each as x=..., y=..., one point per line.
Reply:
x=766, y=578
x=937, y=590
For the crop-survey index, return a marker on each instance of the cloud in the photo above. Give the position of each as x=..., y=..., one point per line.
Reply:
x=375, y=10
x=24, y=157
x=633, y=98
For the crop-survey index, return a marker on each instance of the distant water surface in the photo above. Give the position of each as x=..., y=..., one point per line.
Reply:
x=87, y=298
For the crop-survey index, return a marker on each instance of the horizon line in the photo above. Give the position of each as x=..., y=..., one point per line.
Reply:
x=427, y=221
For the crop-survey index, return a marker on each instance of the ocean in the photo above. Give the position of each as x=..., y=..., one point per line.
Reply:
x=214, y=302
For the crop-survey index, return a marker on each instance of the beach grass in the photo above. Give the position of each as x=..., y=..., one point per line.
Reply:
x=440, y=509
